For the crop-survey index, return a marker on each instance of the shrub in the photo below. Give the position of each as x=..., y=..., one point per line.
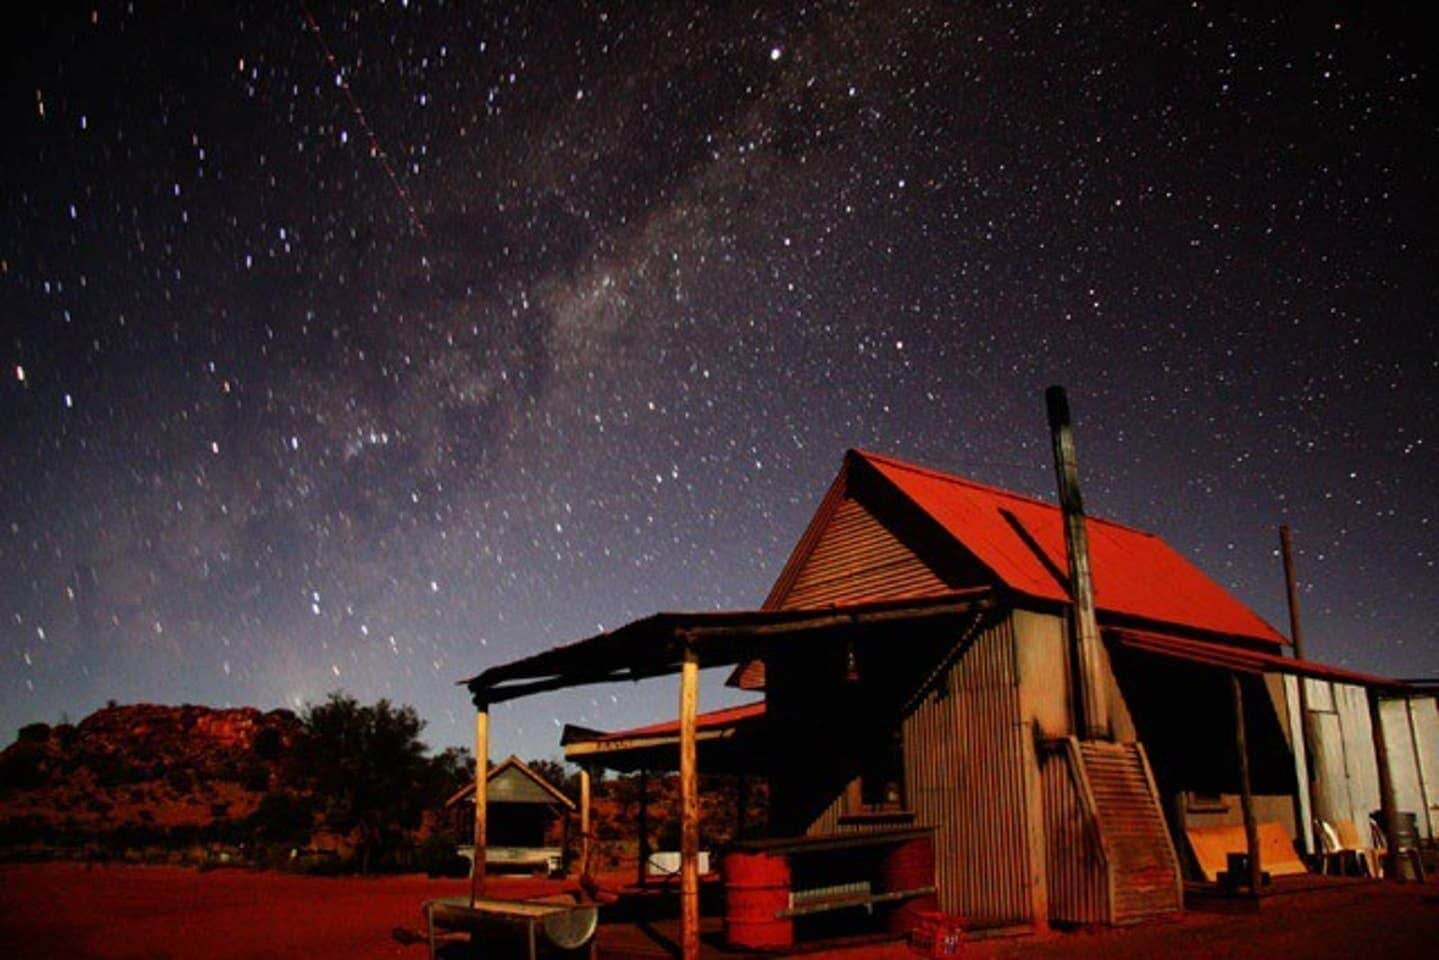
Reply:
x=438, y=857
x=35, y=732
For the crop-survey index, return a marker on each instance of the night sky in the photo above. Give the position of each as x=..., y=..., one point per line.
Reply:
x=367, y=346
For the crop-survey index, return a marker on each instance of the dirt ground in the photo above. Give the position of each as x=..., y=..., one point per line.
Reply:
x=146, y=913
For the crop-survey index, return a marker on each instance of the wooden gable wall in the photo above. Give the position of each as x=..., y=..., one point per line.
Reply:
x=855, y=558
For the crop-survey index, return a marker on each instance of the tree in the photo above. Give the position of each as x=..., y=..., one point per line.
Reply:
x=451, y=769
x=563, y=778
x=368, y=768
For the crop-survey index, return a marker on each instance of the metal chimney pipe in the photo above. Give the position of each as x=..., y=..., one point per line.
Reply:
x=1305, y=739
x=1090, y=703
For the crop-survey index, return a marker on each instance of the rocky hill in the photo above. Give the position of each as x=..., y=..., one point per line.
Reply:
x=144, y=774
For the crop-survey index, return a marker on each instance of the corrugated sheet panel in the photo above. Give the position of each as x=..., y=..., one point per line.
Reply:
x=1409, y=728
x=964, y=755
x=1076, y=871
x=1346, y=778
x=964, y=776
x=1144, y=872
x=1424, y=721
x=856, y=557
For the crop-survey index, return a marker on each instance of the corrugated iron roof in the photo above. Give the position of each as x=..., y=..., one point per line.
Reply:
x=539, y=789
x=653, y=646
x=713, y=720
x=1230, y=657
x=1021, y=540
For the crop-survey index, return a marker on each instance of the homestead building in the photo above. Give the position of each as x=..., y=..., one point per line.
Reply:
x=934, y=663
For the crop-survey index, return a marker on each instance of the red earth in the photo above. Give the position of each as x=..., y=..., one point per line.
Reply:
x=122, y=912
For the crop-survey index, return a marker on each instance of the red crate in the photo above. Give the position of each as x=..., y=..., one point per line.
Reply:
x=937, y=935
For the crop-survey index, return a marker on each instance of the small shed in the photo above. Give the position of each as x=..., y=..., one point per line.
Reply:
x=728, y=741
x=527, y=814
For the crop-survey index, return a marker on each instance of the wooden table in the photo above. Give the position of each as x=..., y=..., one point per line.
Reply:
x=566, y=925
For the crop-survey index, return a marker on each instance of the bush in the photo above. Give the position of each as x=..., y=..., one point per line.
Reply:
x=282, y=818
x=35, y=732
x=268, y=743
x=180, y=780
x=438, y=857
x=256, y=778
x=23, y=766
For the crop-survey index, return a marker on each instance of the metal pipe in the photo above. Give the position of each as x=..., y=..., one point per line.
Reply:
x=1091, y=708
x=1306, y=737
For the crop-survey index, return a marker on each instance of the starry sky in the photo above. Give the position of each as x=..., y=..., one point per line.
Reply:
x=366, y=346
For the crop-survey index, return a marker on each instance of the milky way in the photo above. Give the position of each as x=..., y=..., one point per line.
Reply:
x=367, y=346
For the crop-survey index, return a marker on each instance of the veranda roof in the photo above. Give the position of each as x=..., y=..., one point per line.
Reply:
x=655, y=646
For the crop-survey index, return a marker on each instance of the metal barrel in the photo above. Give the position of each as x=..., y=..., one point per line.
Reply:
x=909, y=866
x=757, y=886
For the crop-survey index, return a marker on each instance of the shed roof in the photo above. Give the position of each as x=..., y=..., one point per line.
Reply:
x=654, y=646
x=726, y=717
x=512, y=781
x=1230, y=657
x=725, y=738
x=1021, y=541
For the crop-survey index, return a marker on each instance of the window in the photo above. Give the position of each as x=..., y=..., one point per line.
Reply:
x=879, y=788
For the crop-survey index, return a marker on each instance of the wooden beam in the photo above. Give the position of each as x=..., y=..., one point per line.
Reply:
x=515, y=690
x=584, y=821
x=689, y=809
x=643, y=824
x=1388, y=812
x=1246, y=792
x=482, y=789
x=968, y=601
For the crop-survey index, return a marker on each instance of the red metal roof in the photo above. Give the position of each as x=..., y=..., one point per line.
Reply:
x=1229, y=657
x=1021, y=540
x=712, y=720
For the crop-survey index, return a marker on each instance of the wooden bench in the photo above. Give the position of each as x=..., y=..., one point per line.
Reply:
x=769, y=883
x=805, y=902
x=566, y=925
x=1212, y=845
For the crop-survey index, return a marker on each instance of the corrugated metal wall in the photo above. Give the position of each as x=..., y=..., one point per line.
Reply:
x=1074, y=858
x=1409, y=728
x=856, y=557
x=1302, y=760
x=1424, y=717
x=963, y=756
x=1346, y=785
x=964, y=776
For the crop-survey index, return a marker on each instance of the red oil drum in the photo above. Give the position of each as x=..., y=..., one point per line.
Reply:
x=909, y=866
x=757, y=886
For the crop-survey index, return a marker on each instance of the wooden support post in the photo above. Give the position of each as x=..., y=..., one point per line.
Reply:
x=1304, y=738
x=1246, y=793
x=585, y=845
x=1387, y=810
x=741, y=816
x=689, y=810
x=482, y=787
x=643, y=823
